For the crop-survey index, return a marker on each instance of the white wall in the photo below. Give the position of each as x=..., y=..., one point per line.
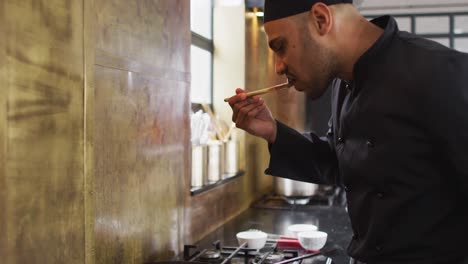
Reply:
x=229, y=54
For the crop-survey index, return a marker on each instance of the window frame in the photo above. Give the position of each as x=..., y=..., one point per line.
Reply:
x=451, y=35
x=207, y=44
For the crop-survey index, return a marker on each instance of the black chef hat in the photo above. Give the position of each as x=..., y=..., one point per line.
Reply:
x=276, y=9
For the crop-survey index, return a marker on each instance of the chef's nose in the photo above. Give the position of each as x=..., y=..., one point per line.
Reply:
x=280, y=66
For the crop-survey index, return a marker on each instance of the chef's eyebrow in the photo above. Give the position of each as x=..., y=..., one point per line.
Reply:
x=275, y=42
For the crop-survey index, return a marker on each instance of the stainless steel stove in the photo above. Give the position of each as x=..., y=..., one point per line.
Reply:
x=269, y=258
x=269, y=254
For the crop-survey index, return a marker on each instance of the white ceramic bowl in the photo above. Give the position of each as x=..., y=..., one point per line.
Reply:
x=254, y=239
x=294, y=230
x=312, y=240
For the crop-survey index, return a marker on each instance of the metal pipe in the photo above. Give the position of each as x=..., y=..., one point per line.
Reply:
x=234, y=253
x=197, y=255
x=263, y=258
x=299, y=258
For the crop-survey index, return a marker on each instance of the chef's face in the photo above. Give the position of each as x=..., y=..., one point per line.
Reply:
x=299, y=56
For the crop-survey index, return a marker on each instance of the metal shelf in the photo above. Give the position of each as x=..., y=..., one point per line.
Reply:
x=227, y=178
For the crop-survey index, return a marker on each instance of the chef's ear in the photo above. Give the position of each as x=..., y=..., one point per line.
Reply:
x=321, y=17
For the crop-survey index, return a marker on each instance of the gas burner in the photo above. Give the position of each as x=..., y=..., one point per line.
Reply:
x=211, y=255
x=297, y=200
x=270, y=258
x=243, y=255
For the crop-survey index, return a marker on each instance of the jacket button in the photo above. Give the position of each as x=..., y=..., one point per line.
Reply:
x=380, y=195
x=378, y=248
x=370, y=144
x=340, y=140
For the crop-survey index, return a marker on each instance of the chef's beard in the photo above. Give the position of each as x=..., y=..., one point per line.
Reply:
x=324, y=63
x=325, y=72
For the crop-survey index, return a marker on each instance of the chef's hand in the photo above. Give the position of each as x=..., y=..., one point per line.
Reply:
x=252, y=115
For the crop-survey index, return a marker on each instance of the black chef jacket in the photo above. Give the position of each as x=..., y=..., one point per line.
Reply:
x=398, y=143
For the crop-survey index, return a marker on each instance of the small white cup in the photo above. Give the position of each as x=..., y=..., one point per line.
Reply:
x=254, y=239
x=312, y=240
x=294, y=230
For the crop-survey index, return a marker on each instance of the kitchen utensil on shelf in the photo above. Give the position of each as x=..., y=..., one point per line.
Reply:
x=312, y=240
x=267, y=90
x=255, y=239
x=215, y=160
x=228, y=134
x=199, y=165
x=231, y=157
x=217, y=126
x=199, y=128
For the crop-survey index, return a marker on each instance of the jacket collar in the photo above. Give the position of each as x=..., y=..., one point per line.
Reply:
x=371, y=56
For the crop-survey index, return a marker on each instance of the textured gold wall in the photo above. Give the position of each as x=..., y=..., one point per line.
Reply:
x=94, y=130
x=141, y=128
x=41, y=182
x=3, y=139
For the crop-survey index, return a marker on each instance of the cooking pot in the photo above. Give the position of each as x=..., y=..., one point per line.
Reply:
x=296, y=189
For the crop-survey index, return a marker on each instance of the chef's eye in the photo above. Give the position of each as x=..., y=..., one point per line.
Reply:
x=278, y=45
x=280, y=49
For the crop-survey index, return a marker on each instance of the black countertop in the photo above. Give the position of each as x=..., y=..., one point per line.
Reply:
x=333, y=220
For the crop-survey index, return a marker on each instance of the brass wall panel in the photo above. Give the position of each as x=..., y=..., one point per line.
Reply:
x=3, y=125
x=141, y=128
x=105, y=59
x=89, y=197
x=43, y=181
x=153, y=32
x=139, y=152
x=207, y=211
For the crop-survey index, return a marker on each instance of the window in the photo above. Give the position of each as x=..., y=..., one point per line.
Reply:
x=201, y=21
x=449, y=29
x=426, y=25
